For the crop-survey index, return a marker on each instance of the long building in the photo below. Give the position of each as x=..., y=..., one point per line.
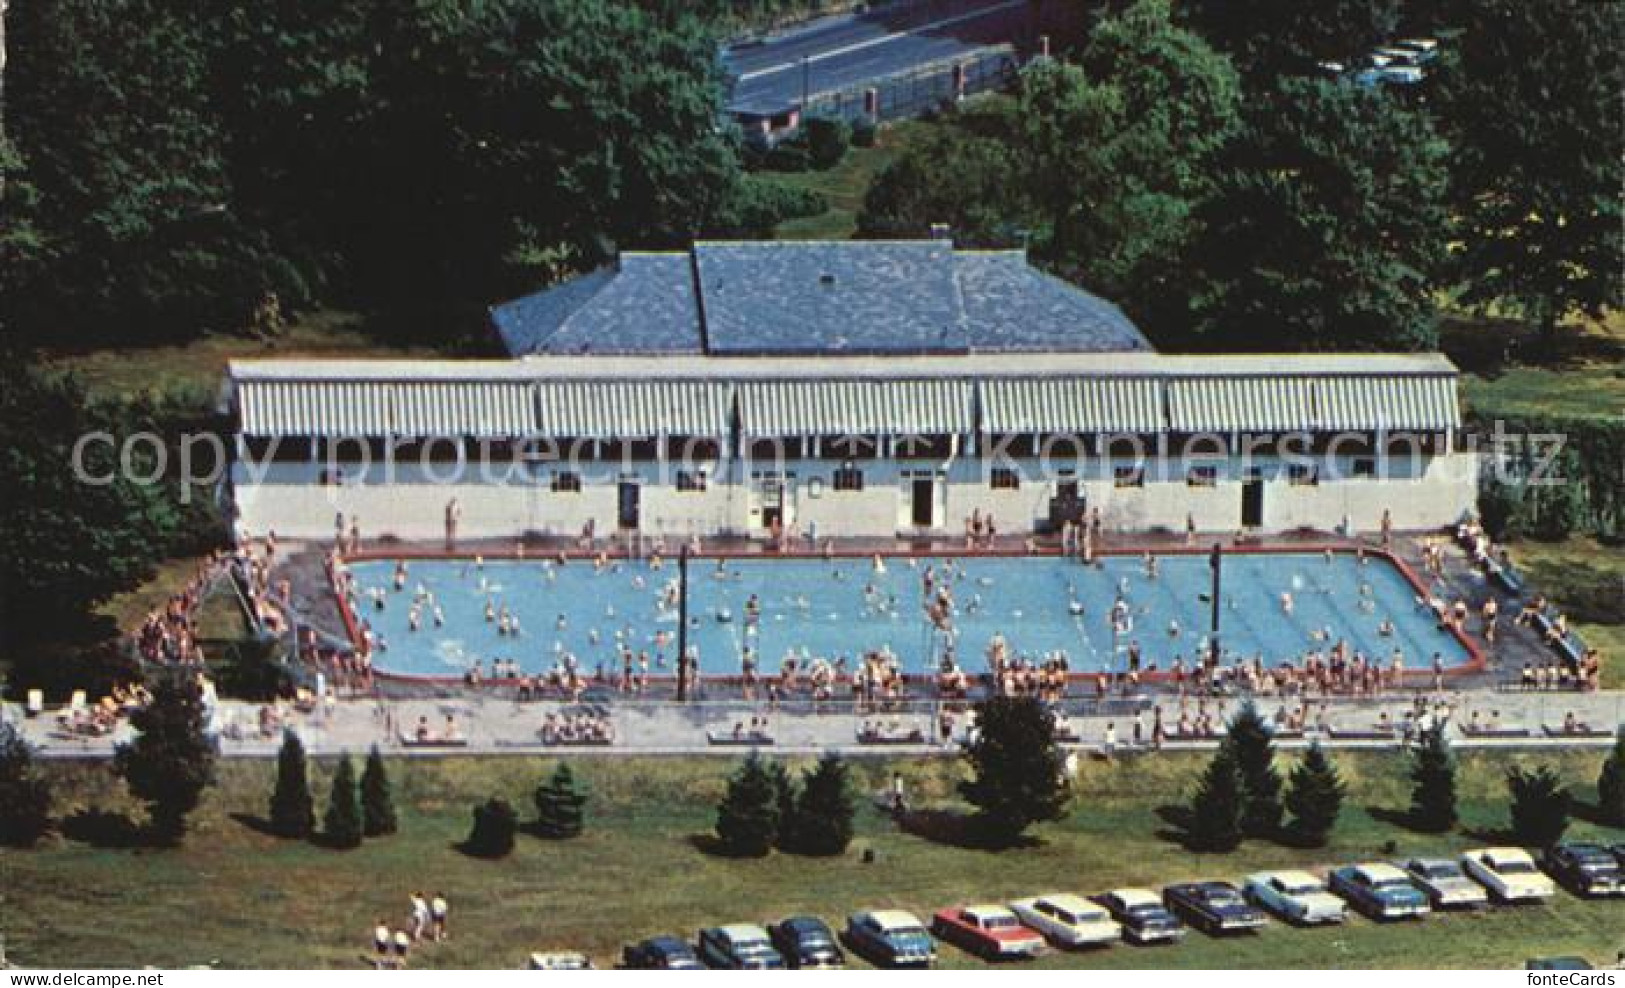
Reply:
x=841, y=390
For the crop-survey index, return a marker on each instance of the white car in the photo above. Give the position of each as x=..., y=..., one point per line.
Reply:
x=1445, y=883
x=1295, y=896
x=1068, y=920
x=1509, y=873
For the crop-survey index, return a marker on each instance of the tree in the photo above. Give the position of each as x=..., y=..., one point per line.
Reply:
x=1216, y=806
x=1314, y=796
x=1433, y=784
x=341, y=827
x=25, y=792
x=77, y=530
x=560, y=805
x=377, y=801
x=1018, y=777
x=171, y=761
x=1253, y=748
x=1611, y=783
x=1530, y=94
x=1540, y=805
x=495, y=825
x=293, y=812
x=823, y=815
x=784, y=805
x=965, y=180
x=1326, y=227
x=1268, y=38
x=748, y=816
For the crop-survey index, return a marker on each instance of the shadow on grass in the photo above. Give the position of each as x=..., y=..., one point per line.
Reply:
x=104, y=828
x=1401, y=819
x=952, y=828
x=260, y=825
x=1491, y=835
x=1590, y=812
x=1178, y=830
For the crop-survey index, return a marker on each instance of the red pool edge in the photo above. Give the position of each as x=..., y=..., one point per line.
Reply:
x=1476, y=662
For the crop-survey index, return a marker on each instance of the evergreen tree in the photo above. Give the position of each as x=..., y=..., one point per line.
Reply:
x=495, y=825
x=823, y=817
x=1433, y=779
x=748, y=816
x=171, y=760
x=784, y=803
x=377, y=801
x=25, y=792
x=293, y=812
x=1216, y=806
x=341, y=827
x=1540, y=805
x=1017, y=769
x=1253, y=748
x=1611, y=783
x=1314, y=796
x=559, y=805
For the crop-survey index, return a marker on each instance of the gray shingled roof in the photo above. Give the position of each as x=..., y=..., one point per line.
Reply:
x=837, y=297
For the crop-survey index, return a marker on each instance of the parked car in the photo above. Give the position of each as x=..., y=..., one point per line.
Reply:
x=988, y=931
x=662, y=953
x=1509, y=873
x=1379, y=890
x=1445, y=884
x=1144, y=918
x=740, y=947
x=806, y=942
x=558, y=960
x=1215, y=908
x=1295, y=896
x=890, y=938
x=1586, y=869
x=1068, y=920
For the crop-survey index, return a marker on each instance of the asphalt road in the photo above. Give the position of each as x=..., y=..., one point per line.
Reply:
x=849, y=50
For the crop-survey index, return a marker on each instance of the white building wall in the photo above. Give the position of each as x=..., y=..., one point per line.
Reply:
x=408, y=503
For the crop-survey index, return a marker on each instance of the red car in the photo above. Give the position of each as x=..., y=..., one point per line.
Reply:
x=992, y=932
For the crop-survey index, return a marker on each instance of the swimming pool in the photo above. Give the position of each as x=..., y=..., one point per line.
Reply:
x=843, y=607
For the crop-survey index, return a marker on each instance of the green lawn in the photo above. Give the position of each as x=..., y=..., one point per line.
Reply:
x=238, y=897
x=194, y=370
x=1582, y=374
x=845, y=185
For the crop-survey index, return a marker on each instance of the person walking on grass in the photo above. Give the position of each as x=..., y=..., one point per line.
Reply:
x=420, y=916
x=381, y=943
x=438, y=911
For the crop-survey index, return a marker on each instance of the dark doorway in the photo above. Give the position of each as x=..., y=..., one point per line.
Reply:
x=1252, y=502
x=772, y=504
x=923, y=495
x=628, y=512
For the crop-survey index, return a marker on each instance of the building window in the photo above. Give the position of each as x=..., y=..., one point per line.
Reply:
x=1365, y=466
x=1302, y=475
x=1129, y=476
x=567, y=482
x=848, y=478
x=691, y=481
x=1005, y=479
x=1202, y=477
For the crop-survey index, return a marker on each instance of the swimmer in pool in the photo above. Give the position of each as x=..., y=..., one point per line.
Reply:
x=439, y=617
x=560, y=624
x=1286, y=603
x=490, y=611
x=879, y=564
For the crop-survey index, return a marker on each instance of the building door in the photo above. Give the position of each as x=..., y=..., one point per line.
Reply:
x=627, y=513
x=1252, y=501
x=772, y=497
x=923, y=496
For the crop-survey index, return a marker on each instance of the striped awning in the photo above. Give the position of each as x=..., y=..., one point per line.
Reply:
x=1421, y=403
x=1071, y=405
x=315, y=408
x=633, y=409
x=484, y=409
x=769, y=409
x=1240, y=404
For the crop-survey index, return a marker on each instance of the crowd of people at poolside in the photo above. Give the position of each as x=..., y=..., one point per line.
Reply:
x=168, y=634
x=577, y=728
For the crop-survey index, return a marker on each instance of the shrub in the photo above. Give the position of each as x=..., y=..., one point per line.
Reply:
x=1540, y=805
x=864, y=132
x=1611, y=784
x=377, y=801
x=25, y=792
x=1314, y=796
x=559, y=805
x=748, y=816
x=823, y=814
x=1016, y=766
x=495, y=824
x=293, y=811
x=1433, y=784
x=1216, y=806
x=827, y=141
x=1250, y=742
x=171, y=760
x=341, y=827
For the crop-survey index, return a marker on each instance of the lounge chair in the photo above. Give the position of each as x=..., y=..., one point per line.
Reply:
x=1579, y=731
x=745, y=739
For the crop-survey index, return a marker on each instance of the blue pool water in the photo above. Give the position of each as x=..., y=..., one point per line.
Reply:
x=831, y=608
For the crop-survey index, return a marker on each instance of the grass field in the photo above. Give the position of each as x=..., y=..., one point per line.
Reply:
x=195, y=370
x=235, y=896
x=1582, y=374
x=1587, y=580
x=845, y=185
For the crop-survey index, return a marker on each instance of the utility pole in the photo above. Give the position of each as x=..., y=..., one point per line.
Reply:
x=806, y=84
x=1215, y=561
x=683, y=672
